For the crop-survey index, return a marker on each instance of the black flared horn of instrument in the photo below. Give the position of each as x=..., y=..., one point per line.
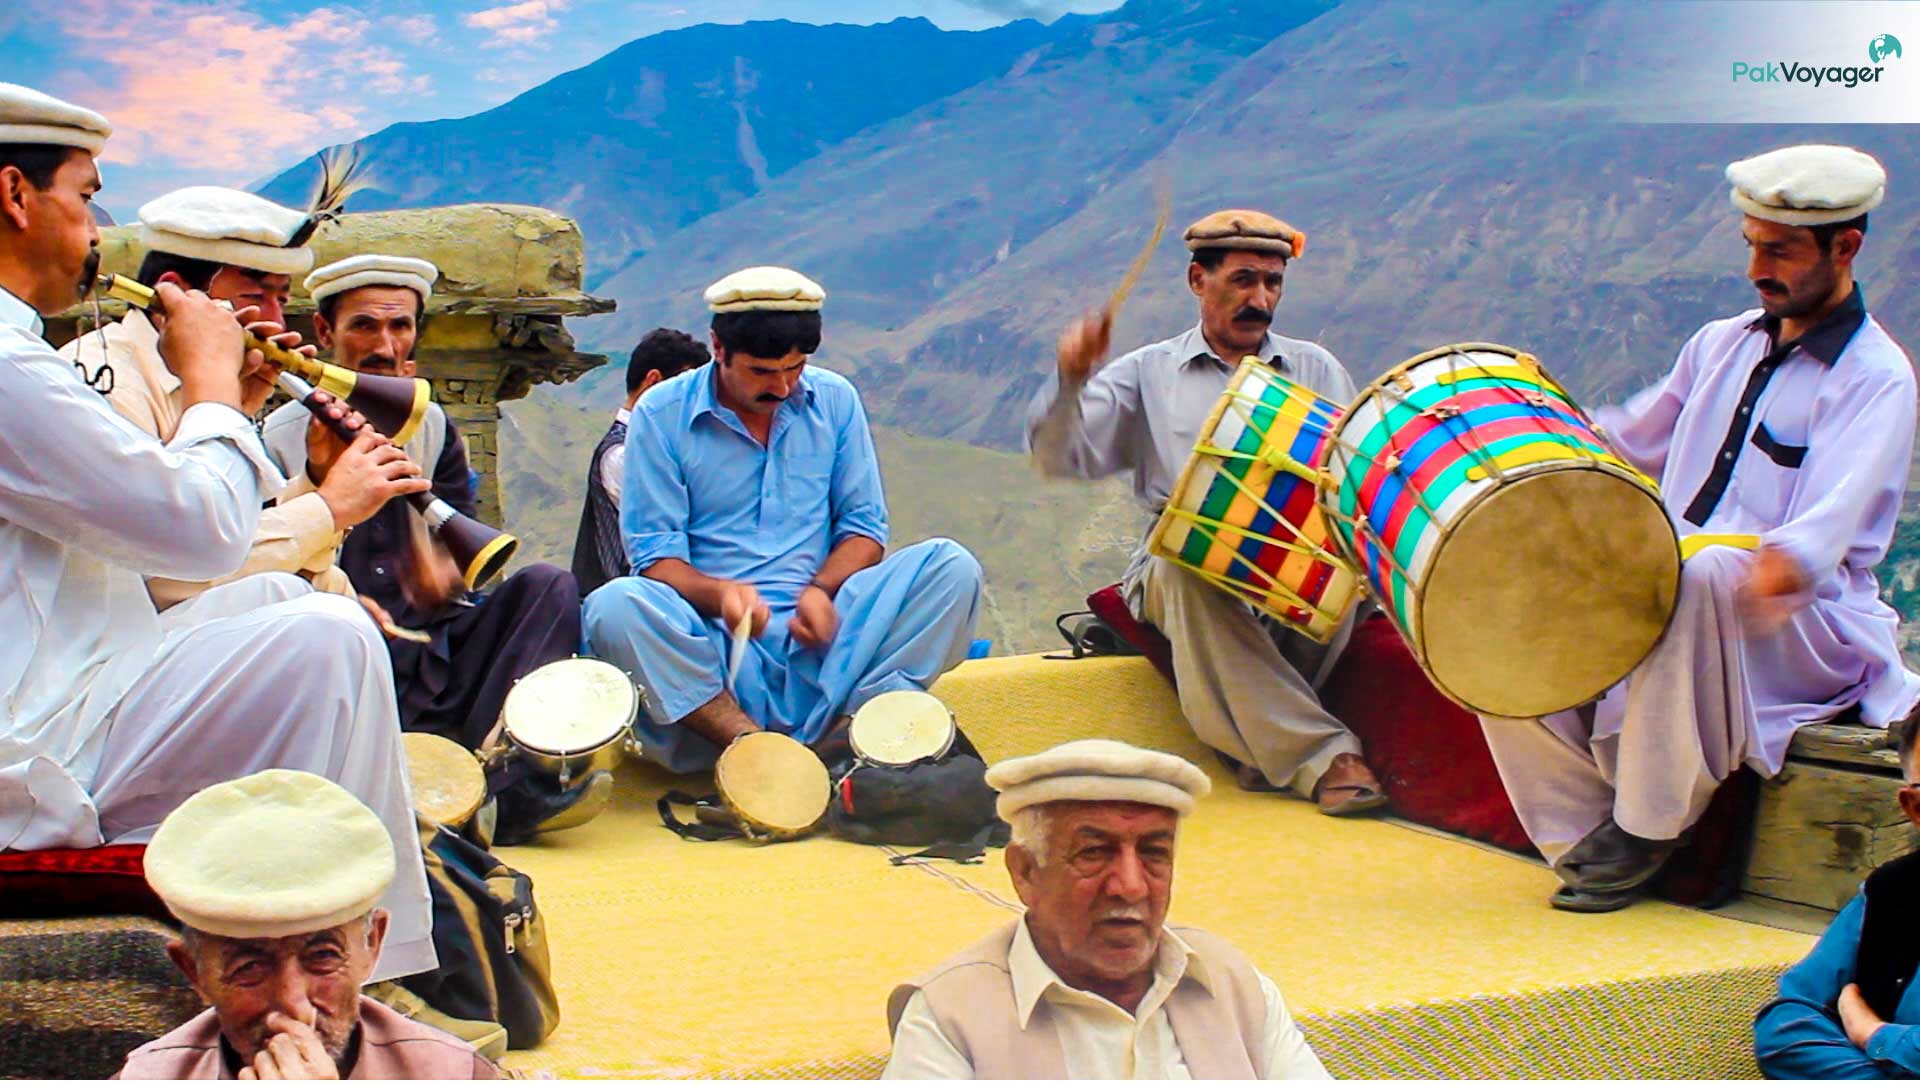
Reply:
x=394, y=405
x=479, y=550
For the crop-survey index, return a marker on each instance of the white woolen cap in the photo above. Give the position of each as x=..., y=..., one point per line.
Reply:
x=765, y=289
x=28, y=116
x=373, y=269
x=1097, y=770
x=272, y=854
x=1810, y=185
x=225, y=226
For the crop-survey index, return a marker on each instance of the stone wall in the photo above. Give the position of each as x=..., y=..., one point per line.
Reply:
x=509, y=277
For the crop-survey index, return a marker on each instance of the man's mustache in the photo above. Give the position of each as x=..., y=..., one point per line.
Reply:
x=1770, y=286
x=378, y=361
x=1253, y=314
x=772, y=399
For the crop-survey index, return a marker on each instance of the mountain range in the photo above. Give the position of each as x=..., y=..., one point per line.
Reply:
x=1463, y=172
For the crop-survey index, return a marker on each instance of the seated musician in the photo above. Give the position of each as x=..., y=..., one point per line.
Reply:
x=753, y=496
x=599, y=554
x=1848, y=1011
x=112, y=714
x=1092, y=984
x=1783, y=434
x=278, y=941
x=1246, y=684
x=233, y=246
x=369, y=312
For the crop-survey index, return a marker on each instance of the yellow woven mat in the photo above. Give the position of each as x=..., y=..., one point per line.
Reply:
x=1405, y=952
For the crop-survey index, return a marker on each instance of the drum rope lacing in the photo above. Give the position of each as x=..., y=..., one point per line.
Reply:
x=1280, y=461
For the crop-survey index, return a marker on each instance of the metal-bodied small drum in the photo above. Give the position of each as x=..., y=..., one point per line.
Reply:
x=902, y=727
x=1243, y=515
x=448, y=784
x=571, y=717
x=771, y=787
x=1528, y=566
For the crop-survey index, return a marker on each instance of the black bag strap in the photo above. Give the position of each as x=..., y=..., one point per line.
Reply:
x=696, y=830
x=968, y=853
x=1071, y=636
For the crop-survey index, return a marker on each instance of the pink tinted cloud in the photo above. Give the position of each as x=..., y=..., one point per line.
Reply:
x=212, y=85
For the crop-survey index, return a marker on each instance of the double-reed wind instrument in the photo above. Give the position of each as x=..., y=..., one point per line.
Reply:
x=393, y=405
x=479, y=550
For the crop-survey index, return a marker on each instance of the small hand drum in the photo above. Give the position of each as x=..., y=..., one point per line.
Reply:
x=571, y=717
x=771, y=787
x=448, y=783
x=902, y=727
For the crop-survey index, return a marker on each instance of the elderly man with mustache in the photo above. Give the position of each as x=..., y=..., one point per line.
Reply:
x=1781, y=440
x=1091, y=984
x=1247, y=684
x=278, y=941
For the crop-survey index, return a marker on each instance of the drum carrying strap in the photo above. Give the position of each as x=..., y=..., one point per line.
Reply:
x=700, y=830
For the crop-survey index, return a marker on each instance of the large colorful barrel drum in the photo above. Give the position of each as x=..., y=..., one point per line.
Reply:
x=1528, y=566
x=1243, y=515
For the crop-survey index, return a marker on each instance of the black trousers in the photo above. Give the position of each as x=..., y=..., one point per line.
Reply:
x=455, y=685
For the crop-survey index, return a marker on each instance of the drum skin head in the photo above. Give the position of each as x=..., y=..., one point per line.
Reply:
x=902, y=727
x=1548, y=591
x=448, y=783
x=570, y=706
x=774, y=784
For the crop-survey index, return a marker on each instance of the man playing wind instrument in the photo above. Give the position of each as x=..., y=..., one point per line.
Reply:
x=237, y=248
x=369, y=311
x=111, y=714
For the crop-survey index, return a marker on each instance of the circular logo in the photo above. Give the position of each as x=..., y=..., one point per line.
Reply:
x=1882, y=47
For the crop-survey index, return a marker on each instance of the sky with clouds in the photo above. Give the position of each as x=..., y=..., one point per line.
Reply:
x=233, y=91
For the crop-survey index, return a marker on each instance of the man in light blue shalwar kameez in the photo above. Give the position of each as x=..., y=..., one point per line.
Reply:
x=753, y=493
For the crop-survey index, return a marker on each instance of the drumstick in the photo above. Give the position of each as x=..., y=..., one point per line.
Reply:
x=739, y=653
x=1140, y=262
x=398, y=633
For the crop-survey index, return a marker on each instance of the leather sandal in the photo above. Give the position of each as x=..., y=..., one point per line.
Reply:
x=1360, y=797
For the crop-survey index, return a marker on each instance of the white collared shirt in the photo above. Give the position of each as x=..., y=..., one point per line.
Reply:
x=1099, y=1040
x=613, y=465
x=89, y=504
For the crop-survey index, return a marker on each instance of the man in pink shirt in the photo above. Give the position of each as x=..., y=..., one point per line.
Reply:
x=279, y=940
x=1781, y=439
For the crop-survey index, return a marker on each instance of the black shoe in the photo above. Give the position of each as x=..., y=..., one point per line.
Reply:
x=1609, y=869
x=536, y=804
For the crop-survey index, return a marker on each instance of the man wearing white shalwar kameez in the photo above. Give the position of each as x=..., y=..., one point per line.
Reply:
x=110, y=714
x=1781, y=440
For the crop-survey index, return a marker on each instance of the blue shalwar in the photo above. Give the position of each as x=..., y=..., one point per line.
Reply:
x=699, y=488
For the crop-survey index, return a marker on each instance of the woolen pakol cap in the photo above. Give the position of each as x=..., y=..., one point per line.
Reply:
x=373, y=269
x=1810, y=185
x=765, y=289
x=1251, y=230
x=272, y=854
x=225, y=226
x=1097, y=770
x=30, y=117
